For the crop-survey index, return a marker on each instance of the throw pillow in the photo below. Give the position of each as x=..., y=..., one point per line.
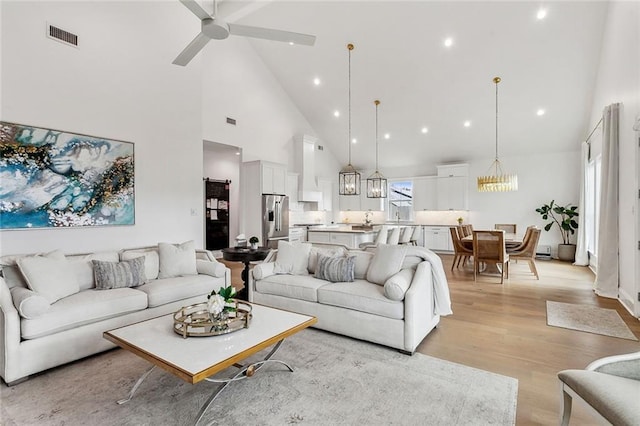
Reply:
x=50, y=277
x=212, y=268
x=177, y=259
x=396, y=287
x=313, y=256
x=363, y=260
x=151, y=261
x=386, y=261
x=292, y=258
x=336, y=269
x=110, y=275
x=30, y=305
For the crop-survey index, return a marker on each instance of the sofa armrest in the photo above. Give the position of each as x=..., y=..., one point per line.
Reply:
x=211, y=267
x=204, y=255
x=9, y=331
x=418, y=306
x=259, y=271
x=627, y=365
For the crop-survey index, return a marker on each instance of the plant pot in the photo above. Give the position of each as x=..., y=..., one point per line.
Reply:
x=567, y=252
x=254, y=246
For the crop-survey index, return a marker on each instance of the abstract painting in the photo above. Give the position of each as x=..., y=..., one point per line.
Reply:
x=55, y=179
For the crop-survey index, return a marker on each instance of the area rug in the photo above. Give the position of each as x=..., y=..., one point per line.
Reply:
x=589, y=318
x=336, y=381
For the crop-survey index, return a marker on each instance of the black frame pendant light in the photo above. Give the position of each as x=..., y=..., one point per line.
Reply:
x=349, y=178
x=498, y=181
x=376, y=183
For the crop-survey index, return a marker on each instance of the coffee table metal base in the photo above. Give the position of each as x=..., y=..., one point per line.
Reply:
x=246, y=371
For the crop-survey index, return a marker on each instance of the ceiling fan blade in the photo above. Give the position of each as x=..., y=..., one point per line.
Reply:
x=270, y=34
x=191, y=50
x=196, y=9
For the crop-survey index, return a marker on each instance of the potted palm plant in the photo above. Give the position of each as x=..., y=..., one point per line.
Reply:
x=564, y=217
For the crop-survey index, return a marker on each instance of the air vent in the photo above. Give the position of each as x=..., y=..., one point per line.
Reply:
x=320, y=148
x=58, y=34
x=231, y=121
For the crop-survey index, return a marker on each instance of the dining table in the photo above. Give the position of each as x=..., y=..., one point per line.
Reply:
x=510, y=241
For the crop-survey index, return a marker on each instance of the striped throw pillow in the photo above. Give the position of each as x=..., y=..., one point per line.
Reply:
x=110, y=275
x=336, y=268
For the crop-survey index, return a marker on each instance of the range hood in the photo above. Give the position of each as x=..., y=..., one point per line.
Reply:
x=306, y=165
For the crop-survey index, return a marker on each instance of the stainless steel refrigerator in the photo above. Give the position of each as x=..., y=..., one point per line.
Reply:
x=275, y=219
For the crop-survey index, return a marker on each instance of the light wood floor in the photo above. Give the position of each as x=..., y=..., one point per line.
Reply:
x=502, y=329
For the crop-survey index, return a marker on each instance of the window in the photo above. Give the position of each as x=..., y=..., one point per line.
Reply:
x=401, y=200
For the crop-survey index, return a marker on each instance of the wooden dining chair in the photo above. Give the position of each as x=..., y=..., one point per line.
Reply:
x=466, y=230
x=460, y=252
x=528, y=250
x=489, y=247
x=509, y=228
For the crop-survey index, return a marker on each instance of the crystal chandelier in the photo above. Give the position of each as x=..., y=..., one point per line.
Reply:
x=349, y=178
x=376, y=183
x=498, y=181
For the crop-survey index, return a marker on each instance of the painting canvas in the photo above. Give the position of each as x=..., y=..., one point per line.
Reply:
x=53, y=179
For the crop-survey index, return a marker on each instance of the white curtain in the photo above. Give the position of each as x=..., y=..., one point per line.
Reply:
x=582, y=257
x=606, y=284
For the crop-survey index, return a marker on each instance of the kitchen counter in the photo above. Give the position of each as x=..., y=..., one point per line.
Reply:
x=342, y=229
x=342, y=235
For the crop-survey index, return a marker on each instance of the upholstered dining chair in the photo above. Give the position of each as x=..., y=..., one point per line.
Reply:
x=509, y=228
x=460, y=252
x=394, y=236
x=405, y=235
x=415, y=236
x=489, y=247
x=381, y=238
x=609, y=386
x=527, y=250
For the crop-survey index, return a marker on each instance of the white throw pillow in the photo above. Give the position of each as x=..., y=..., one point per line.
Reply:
x=50, y=277
x=30, y=305
x=151, y=261
x=363, y=260
x=386, y=261
x=177, y=260
x=292, y=258
x=212, y=268
x=397, y=285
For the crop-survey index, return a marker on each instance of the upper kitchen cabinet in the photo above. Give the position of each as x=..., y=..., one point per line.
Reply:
x=425, y=193
x=453, y=187
x=349, y=203
x=326, y=202
x=373, y=204
x=272, y=176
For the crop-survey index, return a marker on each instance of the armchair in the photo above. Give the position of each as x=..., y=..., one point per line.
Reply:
x=609, y=386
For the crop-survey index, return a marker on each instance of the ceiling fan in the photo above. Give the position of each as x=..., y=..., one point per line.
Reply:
x=214, y=27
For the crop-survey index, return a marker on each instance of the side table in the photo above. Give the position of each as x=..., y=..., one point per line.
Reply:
x=246, y=256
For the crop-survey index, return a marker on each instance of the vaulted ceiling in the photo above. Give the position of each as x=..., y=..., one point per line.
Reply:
x=400, y=58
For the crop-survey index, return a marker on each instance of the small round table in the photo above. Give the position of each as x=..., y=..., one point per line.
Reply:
x=246, y=256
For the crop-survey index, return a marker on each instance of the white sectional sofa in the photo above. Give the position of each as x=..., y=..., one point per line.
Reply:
x=395, y=299
x=38, y=332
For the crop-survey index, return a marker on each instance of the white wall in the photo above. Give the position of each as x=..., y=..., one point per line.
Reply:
x=118, y=84
x=619, y=81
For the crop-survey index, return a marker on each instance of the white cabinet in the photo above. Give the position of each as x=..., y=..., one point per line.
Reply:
x=425, y=193
x=297, y=234
x=453, y=187
x=274, y=178
x=437, y=238
x=348, y=239
x=326, y=187
x=292, y=191
x=349, y=203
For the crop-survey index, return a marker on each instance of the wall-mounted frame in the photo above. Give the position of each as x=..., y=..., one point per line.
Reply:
x=55, y=179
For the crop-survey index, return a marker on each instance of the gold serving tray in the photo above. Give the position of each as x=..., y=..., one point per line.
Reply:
x=195, y=320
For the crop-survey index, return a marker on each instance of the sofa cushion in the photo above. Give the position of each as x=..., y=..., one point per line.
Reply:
x=166, y=290
x=85, y=307
x=386, y=261
x=362, y=296
x=28, y=303
x=292, y=258
x=151, y=260
x=177, y=259
x=291, y=286
x=83, y=268
x=335, y=268
x=363, y=260
x=315, y=251
x=50, y=277
x=128, y=273
x=397, y=285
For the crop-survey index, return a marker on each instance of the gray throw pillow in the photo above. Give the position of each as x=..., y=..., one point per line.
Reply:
x=110, y=275
x=335, y=269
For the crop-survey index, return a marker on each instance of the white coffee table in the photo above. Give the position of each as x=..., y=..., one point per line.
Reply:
x=197, y=358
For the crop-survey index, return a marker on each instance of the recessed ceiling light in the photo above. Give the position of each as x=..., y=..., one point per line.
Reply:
x=540, y=111
x=424, y=130
x=448, y=42
x=387, y=135
x=467, y=123
x=238, y=153
x=291, y=43
x=316, y=81
x=336, y=113
x=542, y=13
x=354, y=140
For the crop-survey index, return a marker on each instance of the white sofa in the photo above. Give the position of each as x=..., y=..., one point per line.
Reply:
x=36, y=335
x=395, y=303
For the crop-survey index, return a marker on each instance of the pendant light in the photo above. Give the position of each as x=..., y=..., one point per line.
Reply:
x=498, y=181
x=376, y=183
x=349, y=178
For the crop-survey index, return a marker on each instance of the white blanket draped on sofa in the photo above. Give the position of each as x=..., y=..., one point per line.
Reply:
x=442, y=299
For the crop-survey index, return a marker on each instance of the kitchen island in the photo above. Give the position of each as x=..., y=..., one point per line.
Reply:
x=344, y=235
